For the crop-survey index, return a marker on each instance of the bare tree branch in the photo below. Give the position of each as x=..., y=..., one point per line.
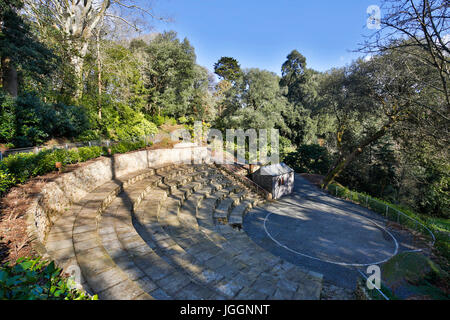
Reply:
x=418, y=29
x=78, y=19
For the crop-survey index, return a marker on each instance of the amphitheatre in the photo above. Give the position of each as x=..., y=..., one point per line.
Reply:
x=152, y=224
x=220, y=150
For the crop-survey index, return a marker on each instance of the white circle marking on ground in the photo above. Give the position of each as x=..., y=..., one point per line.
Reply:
x=329, y=261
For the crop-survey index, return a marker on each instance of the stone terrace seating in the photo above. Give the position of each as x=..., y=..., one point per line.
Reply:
x=173, y=232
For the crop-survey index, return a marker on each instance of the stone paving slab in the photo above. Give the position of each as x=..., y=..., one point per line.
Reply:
x=237, y=214
x=262, y=257
x=79, y=226
x=153, y=235
x=173, y=252
x=222, y=264
x=145, y=263
x=136, y=242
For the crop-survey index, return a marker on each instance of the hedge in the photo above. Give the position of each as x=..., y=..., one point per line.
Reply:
x=20, y=167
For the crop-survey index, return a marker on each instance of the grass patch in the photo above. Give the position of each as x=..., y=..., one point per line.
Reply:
x=413, y=275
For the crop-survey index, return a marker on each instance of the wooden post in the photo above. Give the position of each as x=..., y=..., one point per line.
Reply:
x=58, y=166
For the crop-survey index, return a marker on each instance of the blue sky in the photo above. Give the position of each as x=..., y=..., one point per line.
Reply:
x=262, y=33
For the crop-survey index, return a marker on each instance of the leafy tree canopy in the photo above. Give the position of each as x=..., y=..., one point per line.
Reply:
x=228, y=69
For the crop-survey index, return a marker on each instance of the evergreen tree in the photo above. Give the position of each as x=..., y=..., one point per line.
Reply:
x=228, y=69
x=20, y=51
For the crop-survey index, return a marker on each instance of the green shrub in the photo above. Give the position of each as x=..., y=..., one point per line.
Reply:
x=88, y=135
x=34, y=279
x=20, y=167
x=182, y=120
x=309, y=159
x=7, y=181
x=45, y=160
x=125, y=146
x=26, y=120
x=139, y=129
x=170, y=121
x=73, y=156
x=158, y=120
x=442, y=245
x=121, y=122
x=88, y=153
x=286, y=148
x=7, y=118
x=67, y=121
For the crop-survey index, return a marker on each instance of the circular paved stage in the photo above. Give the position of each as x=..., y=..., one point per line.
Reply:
x=323, y=234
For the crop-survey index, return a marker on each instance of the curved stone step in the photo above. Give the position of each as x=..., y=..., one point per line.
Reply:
x=155, y=236
x=101, y=272
x=237, y=274
x=204, y=216
x=60, y=241
x=104, y=277
x=200, y=249
x=168, y=220
x=198, y=255
x=264, y=274
x=223, y=210
x=73, y=241
x=237, y=213
x=309, y=283
x=149, y=270
x=119, y=239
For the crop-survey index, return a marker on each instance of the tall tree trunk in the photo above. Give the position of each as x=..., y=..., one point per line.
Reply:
x=77, y=61
x=99, y=77
x=346, y=159
x=10, y=82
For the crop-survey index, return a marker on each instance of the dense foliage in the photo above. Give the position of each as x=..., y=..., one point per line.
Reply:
x=20, y=167
x=379, y=125
x=228, y=69
x=309, y=159
x=34, y=279
x=27, y=121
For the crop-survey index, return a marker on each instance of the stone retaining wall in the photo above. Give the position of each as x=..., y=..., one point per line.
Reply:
x=70, y=187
